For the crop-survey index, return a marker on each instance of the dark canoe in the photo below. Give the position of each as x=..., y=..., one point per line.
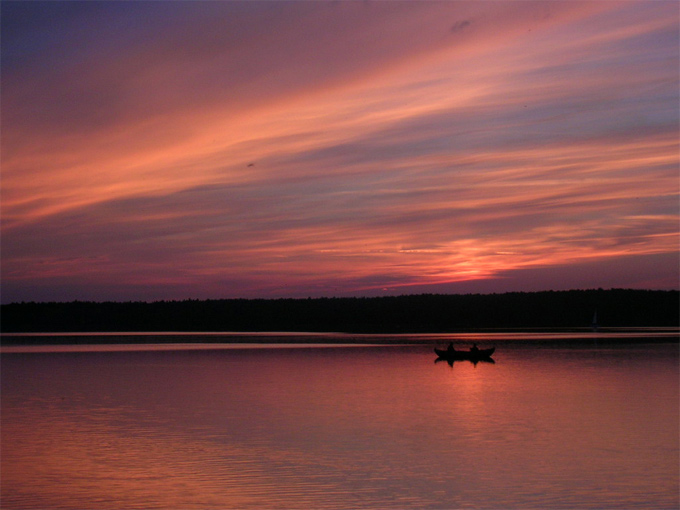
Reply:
x=448, y=354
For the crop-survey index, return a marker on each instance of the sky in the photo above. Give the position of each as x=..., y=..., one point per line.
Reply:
x=264, y=149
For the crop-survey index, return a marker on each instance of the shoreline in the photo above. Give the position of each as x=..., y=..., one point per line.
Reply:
x=515, y=336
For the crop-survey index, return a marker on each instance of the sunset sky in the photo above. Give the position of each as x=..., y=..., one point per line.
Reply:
x=174, y=150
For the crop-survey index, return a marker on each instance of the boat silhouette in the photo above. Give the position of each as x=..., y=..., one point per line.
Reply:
x=474, y=354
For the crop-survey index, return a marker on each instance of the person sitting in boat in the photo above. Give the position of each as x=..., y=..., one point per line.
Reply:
x=450, y=347
x=474, y=349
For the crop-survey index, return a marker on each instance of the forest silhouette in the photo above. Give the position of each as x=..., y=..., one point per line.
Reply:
x=424, y=313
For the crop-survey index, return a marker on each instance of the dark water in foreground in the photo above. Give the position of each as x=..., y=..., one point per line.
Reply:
x=321, y=426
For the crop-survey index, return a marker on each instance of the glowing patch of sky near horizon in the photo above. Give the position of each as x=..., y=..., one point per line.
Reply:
x=501, y=152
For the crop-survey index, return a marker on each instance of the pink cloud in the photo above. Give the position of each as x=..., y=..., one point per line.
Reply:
x=270, y=149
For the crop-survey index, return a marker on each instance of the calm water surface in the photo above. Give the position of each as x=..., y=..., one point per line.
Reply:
x=319, y=426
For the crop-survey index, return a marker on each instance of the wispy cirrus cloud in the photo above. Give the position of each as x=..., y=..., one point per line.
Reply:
x=267, y=149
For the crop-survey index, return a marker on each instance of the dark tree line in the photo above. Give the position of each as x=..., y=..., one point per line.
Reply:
x=400, y=314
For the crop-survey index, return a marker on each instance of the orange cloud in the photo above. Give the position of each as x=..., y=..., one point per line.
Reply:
x=469, y=140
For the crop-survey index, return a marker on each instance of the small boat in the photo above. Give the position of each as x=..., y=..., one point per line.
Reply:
x=471, y=355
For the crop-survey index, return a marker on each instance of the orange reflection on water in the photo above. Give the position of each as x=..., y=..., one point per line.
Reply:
x=94, y=463
x=341, y=427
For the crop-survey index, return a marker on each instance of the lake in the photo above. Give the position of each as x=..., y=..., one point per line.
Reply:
x=558, y=421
